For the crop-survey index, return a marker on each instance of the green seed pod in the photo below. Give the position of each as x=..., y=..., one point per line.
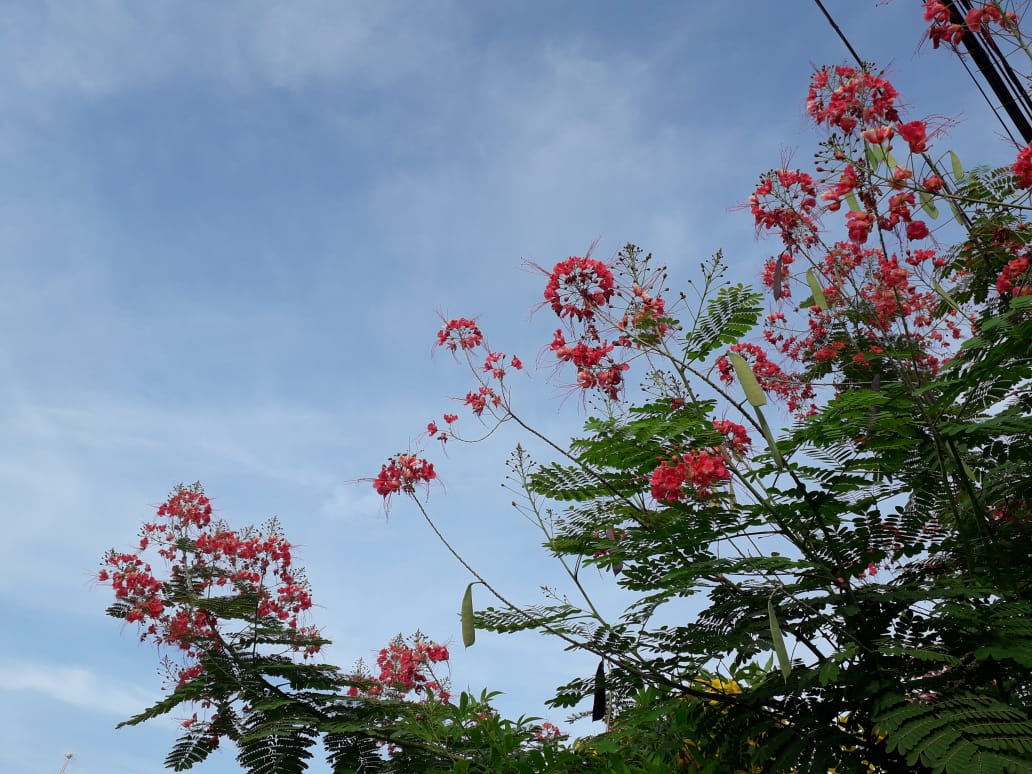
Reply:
x=469, y=632
x=753, y=392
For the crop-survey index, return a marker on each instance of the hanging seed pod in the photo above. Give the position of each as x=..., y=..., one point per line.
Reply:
x=778, y=640
x=469, y=631
x=815, y=288
x=598, y=705
x=753, y=392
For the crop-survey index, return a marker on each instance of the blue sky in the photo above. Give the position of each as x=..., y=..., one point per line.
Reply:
x=228, y=232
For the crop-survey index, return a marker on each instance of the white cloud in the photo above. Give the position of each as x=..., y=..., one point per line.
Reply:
x=77, y=686
x=351, y=501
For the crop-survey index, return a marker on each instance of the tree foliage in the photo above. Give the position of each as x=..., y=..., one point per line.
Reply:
x=859, y=580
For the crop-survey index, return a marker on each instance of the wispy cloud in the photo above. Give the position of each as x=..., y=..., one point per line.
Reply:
x=90, y=49
x=77, y=686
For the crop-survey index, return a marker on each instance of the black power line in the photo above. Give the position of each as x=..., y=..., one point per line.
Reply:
x=991, y=63
x=996, y=71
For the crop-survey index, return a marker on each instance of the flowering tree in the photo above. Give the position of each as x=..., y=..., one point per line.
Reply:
x=860, y=577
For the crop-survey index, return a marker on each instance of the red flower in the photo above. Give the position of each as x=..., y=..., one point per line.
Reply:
x=1014, y=270
x=977, y=17
x=879, y=134
x=785, y=200
x=915, y=133
x=1023, y=168
x=668, y=481
x=737, y=436
x=916, y=229
x=936, y=11
x=579, y=286
x=859, y=225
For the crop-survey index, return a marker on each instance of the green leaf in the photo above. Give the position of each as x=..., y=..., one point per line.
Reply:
x=753, y=392
x=469, y=630
x=729, y=316
x=851, y=202
x=778, y=640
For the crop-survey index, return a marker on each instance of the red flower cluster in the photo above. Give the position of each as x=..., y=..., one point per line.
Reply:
x=883, y=301
x=701, y=468
x=868, y=300
x=583, y=293
x=460, y=333
x=977, y=19
x=785, y=200
x=401, y=474
x=187, y=506
x=737, y=439
x=206, y=557
x=595, y=366
x=579, y=286
x=1023, y=168
x=797, y=393
x=405, y=668
x=847, y=97
x=549, y=732
x=478, y=401
x=1014, y=274
x=494, y=364
x=645, y=314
